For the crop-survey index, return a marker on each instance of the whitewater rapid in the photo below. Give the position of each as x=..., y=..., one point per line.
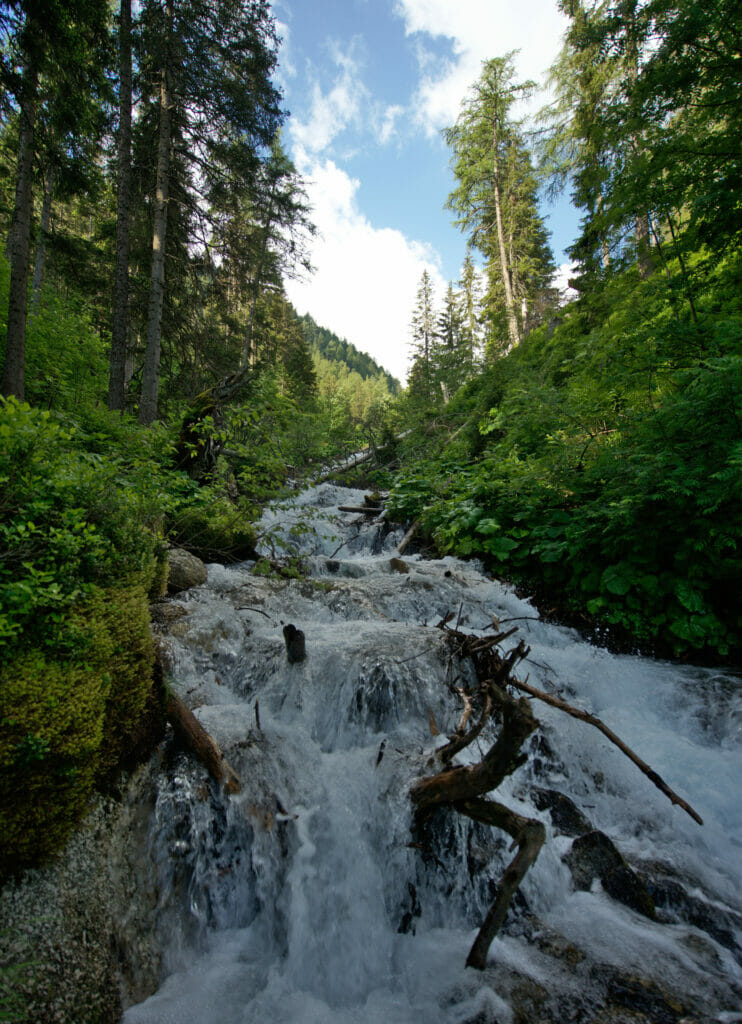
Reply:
x=304, y=899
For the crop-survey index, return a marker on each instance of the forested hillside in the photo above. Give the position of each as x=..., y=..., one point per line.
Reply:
x=338, y=350
x=595, y=454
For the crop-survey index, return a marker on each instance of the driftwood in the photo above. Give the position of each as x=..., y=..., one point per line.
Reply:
x=366, y=510
x=295, y=643
x=463, y=787
x=585, y=716
x=405, y=542
x=188, y=728
x=358, y=458
x=528, y=835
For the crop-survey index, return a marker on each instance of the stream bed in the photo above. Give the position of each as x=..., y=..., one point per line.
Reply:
x=304, y=898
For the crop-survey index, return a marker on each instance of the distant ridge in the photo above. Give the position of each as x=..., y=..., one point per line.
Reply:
x=338, y=350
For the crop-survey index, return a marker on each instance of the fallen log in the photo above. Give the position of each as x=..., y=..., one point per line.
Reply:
x=405, y=542
x=366, y=510
x=197, y=740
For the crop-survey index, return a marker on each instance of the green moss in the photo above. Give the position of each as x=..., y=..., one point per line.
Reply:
x=67, y=720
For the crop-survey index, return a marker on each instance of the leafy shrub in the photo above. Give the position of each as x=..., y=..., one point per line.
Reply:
x=608, y=468
x=76, y=566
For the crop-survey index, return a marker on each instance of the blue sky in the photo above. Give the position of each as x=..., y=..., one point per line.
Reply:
x=370, y=84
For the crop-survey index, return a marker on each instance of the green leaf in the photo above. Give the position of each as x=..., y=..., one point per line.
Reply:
x=618, y=579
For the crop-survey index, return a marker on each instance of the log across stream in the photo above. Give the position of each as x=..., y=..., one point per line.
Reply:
x=309, y=896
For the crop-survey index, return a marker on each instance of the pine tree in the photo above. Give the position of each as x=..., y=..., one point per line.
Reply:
x=451, y=351
x=51, y=60
x=120, y=317
x=423, y=339
x=218, y=112
x=496, y=198
x=471, y=331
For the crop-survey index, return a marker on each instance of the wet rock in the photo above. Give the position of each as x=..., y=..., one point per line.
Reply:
x=625, y=886
x=164, y=613
x=411, y=910
x=566, y=817
x=553, y=943
x=295, y=643
x=185, y=571
x=78, y=934
x=593, y=856
x=645, y=999
x=397, y=565
x=675, y=904
x=332, y=565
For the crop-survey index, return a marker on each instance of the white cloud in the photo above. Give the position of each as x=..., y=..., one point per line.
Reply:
x=478, y=30
x=286, y=69
x=386, y=127
x=366, y=278
x=561, y=278
x=331, y=113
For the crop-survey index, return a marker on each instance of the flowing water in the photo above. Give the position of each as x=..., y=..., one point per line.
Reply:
x=303, y=898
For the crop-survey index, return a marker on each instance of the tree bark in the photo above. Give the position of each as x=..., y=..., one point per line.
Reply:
x=644, y=260
x=188, y=728
x=249, y=353
x=117, y=370
x=513, y=331
x=20, y=244
x=151, y=370
x=40, y=262
x=528, y=835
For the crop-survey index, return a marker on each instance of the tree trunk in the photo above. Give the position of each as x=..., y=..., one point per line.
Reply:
x=151, y=371
x=249, y=355
x=39, y=264
x=643, y=247
x=117, y=372
x=513, y=332
x=20, y=245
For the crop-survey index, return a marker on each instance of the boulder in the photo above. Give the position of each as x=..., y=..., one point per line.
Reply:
x=595, y=856
x=566, y=817
x=185, y=571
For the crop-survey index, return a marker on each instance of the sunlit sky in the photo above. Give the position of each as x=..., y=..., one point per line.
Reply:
x=369, y=85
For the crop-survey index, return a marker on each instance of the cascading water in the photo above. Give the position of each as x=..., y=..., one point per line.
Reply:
x=304, y=899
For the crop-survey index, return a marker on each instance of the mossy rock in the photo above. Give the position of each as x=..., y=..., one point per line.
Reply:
x=67, y=719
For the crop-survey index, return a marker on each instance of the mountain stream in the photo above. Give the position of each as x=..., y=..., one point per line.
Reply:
x=304, y=898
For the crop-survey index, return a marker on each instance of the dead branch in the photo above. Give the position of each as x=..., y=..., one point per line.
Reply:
x=463, y=737
x=466, y=713
x=365, y=510
x=585, y=716
x=405, y=542
x=188, y=728
x=462, y=787
x=528, y=835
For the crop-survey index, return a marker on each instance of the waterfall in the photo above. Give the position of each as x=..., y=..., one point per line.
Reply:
x=304, y=898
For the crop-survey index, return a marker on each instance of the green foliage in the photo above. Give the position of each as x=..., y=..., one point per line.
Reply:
x=608, y=467
x=76, y=566
x=327, y=345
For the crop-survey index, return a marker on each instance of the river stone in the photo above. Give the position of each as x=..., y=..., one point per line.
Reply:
x=595, y=856
x=185, y=571
x=566, y=817
x=397, y=565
